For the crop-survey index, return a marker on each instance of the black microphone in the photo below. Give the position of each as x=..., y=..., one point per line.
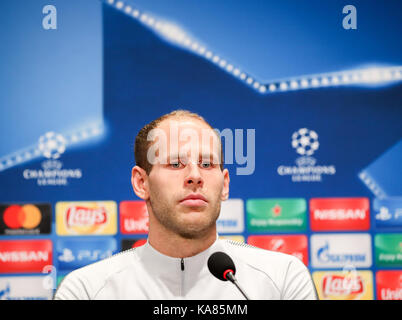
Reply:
x=223, y=268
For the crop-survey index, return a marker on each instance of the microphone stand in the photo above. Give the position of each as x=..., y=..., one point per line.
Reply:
x=232, y=279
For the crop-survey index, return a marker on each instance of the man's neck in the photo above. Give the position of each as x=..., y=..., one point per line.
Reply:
x=176, y=246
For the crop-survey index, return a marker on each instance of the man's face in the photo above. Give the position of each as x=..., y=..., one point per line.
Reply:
x=186, y=184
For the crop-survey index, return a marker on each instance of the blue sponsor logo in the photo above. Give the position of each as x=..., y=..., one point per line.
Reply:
x=325, y=256
x=77, y=253
x=24, y=288
x=388, y=212
x=5, y=292
x=228, y=223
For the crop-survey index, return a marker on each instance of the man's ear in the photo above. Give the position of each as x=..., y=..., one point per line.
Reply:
x=139, y=181
x=226, y=181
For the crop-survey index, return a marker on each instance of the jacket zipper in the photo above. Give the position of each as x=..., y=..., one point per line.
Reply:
x=182, y=276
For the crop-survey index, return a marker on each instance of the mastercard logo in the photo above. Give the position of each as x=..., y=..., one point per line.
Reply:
x=27, y=216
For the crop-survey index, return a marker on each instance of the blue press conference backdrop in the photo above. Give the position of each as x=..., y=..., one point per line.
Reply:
x=74, y=97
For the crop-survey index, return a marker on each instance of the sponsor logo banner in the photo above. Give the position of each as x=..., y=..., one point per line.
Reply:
x=236, y=238
x=344, y=285
x=276, y=214
x=389, y=285
x=76, y=253
x=133, y=217
x=340, y=250
x=388, y=250
x=25, y=256
x=60, y=279
x=86, y=218
x=339, y=214
x=388, y=212
x=25, y=288
x=231, y=218
x=127, y=244
x=25, y=219
x=295, y=245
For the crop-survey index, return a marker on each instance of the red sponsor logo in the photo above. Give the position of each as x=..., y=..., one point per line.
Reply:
x=24, y=256
x=342, y=285
x=139, y=243
x=78, y=216
x=295, y=245
x=27, y=216
x=389, y=285
x=339, y=214
x=133, y=217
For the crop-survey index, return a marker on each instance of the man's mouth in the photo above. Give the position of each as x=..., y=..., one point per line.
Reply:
x=194, y=200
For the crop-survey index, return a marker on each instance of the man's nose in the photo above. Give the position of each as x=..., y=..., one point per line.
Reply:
x=193, y=177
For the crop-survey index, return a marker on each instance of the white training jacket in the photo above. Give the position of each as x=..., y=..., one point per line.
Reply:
x=144, y=273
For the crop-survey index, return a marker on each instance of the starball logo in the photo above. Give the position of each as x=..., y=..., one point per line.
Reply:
x=52, y=145
x=305, y=142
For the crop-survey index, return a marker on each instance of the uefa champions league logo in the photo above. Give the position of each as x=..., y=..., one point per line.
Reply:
x=305, y=142
x=52, y=145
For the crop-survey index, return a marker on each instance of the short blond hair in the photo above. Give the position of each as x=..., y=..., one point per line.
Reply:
x=142, y=143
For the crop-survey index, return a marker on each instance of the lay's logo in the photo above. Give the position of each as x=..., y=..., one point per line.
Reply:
x=344, y=285
x=86, y=218
x=83, y=216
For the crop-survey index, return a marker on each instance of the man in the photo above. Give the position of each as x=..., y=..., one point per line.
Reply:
x=180, y=176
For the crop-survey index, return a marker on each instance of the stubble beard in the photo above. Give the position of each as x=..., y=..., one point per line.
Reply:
x=166, y=214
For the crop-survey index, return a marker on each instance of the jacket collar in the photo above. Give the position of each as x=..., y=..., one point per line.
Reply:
x=168, y=267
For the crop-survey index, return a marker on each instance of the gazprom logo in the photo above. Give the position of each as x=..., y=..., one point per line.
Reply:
x=339, y=250
x=324, y=255
x=227, y=223
x=231, y=218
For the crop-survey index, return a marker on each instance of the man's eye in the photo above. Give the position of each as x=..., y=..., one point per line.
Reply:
x=175, y=165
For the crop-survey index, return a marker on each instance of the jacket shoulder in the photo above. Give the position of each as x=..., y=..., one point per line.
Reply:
x=288, y=274
x=84, y=283
x=257, y=256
